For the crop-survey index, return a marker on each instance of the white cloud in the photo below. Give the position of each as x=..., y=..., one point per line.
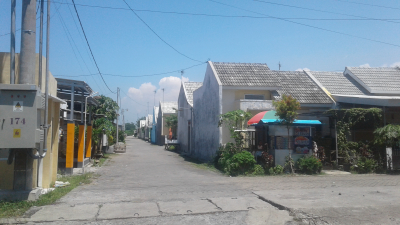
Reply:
x=144, y=96
x=396, y=64
x=366, y=65
x=305, y=69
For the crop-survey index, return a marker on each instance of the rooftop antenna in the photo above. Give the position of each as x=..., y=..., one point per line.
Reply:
x=279, y=65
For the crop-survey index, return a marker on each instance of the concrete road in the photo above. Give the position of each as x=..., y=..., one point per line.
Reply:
x=148, y=185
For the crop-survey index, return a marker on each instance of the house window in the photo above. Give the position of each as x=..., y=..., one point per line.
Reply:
x=256, y=97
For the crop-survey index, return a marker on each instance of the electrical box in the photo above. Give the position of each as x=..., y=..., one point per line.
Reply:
x=21, y=115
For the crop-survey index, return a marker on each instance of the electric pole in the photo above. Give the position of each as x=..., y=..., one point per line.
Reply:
x=12, y=47
x=155, y=97
x=28, y=43
x=117, y=113
x=279, y=65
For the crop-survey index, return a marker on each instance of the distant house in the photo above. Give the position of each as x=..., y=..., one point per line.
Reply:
x=148, y=127
x=165, y=109
x=185, y=114
x=358, y=87
x=250, y=87
x=141, y=129
x=154, y=128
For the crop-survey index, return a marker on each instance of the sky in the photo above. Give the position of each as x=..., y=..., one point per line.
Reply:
x=148, y=50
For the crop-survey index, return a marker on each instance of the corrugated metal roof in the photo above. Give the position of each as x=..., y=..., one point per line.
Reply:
x=301, y=87
x=169, y=107
x=339, y=83
x=378, y=79
x=190, y=87
x=245, y=74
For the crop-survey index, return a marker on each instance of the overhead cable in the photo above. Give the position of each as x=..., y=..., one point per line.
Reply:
x=128, y=76
x=87, y=42
x=311, y=26
x=361, y=3
x=324, y=11
x=176, y=50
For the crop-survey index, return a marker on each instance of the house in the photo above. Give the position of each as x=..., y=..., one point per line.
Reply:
x=154, y=128
x=21, y=172
x=185, y=114
x=358, y=87
x=148, y=127
x=250, y=87
x=73, y=152
x=165, y=109
x=141, y=129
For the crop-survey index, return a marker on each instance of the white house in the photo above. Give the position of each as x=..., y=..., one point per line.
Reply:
x=250, y=87
x=185, y=114
x=165, y=109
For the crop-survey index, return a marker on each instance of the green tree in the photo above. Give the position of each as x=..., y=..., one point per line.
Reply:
x=286, y=110
x=104, y=125
x=107, y=106
x=130, y=128
x=171, y=122
x=235, y=120
x=388, y=135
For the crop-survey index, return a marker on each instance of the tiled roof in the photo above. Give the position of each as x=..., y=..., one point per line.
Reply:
x=169, y=107
x=300, y=86
x=190, y=87
x=339, y=83
x=245, y=74
x=378, y=80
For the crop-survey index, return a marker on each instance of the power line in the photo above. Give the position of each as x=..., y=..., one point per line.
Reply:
x=311, y=26
x=70, y=38
x=84, y=34
x=360, y=3
x=128, y=76
x=176, y=50
x=80, y=35
x=19, y=29
x=318, y=10
x=225, y=16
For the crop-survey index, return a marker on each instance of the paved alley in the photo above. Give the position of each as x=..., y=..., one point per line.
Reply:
x=149, y=185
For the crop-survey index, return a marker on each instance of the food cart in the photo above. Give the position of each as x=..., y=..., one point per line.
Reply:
x=272, y=136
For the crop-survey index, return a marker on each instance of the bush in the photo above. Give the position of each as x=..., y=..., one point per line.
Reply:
x=277, y=170
x=258, y=170
x=366, y=165
x=309, y=165
x=223, y=154
x=240, y=163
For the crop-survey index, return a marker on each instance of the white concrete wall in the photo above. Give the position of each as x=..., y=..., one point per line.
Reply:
x=207, y=108
x=184, y=115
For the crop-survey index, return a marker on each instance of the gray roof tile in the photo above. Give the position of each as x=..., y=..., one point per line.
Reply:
x=300, y=86
x=169, y=107
x=190, y=87
x=244, y=74
x=339, y=83
x=378, y=79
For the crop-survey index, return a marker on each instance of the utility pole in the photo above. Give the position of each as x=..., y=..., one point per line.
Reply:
x=117, y=114
x=163, y=95
x=23, y=163
x=12, y=47
x=27, y=58
x=41, y=43
x=279, y=65
x=155, y=97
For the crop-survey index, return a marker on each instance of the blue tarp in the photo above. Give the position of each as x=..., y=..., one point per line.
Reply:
x=274, y=121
